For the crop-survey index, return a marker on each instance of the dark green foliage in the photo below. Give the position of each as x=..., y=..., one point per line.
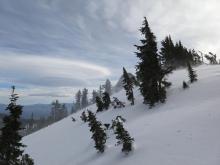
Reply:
x=10, y=140
x=94, y=95
x=106, y=100
x=118, y=118
x=191, y=73
x=150, y=71
x=78, y=100
x=177, y=55
x=128, y=85
x=26, y=160
x=84, y=101
x=83, y=116
x=211, y=58
x=99, y=104
x=117, y=103
x=122, y=136
x=185, y=85
x=99, y=135
x=58, y=111
x=167, y=52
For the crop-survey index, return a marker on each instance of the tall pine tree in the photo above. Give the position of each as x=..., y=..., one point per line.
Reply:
x=106, y=100
x=10, y=139
x=78, y=100
x=108, y=87
x=84, y=102
x=150, y=73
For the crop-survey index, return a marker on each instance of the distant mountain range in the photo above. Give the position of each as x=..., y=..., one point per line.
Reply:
x=39, y=110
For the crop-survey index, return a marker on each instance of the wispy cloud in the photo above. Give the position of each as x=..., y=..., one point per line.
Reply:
x=58, y=45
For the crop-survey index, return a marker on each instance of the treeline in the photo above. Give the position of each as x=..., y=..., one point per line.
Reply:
x=82, y=96
x=58, y=112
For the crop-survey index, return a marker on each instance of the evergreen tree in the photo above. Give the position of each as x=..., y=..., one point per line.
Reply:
x=192, y=74
x=122, y=136
x=99, y=104
x=78, y=100
x=106, y=100
x=149, y=71
x=84, y=102
x=26, y=160
x=108, y=87
x=94, y=95
x=185, y=85
x=167, y=52
x=10, y=139
x=83, y=117
x=128, y=85
x=99, y=135
x=55, y=111
x=100, y=91
x=211, y=58
x=64, y=111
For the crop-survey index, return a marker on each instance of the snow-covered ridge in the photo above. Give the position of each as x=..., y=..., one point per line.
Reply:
x=183, y=131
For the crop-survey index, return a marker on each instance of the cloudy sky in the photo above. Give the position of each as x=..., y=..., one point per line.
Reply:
x=50, y=48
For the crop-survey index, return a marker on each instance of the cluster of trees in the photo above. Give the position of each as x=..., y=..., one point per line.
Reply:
x=211, y=58
x=11, y=148
x=99, y=134
x=58, y=111
x=176, y=55
x=82, y=100
x=153, y=67
x=151, y=72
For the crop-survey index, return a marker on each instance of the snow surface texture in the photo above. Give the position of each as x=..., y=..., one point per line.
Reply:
x=183, y=131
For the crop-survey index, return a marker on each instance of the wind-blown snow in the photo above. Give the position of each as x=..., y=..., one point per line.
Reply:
x=183, y=131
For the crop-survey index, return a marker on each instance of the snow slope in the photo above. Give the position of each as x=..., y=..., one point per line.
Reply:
x=184, y=131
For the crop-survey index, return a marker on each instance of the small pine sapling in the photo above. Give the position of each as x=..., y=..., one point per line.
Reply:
x=122, y=136
x=83, y=117
x=185, y=85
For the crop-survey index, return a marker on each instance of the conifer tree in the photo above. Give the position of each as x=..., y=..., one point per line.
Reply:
x=99, y=135
x=83, y=116
x=78, y=100
x=122, y=136
x=108, y=87
x=149, y=71
x=128, y=85
x=185, y=85
x=94, y=95
x=106, y=100
x=26, y=160
x=191, y=73
x=84, y=102
x=167, y=52
x=99, y=104
x=10, y=139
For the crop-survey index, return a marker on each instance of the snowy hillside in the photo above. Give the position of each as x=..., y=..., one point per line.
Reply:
x=183, y=131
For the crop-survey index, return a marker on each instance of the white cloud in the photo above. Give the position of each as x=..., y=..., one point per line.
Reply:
x=47, y=71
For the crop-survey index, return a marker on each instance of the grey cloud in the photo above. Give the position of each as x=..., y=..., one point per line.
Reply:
x=50, y=94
